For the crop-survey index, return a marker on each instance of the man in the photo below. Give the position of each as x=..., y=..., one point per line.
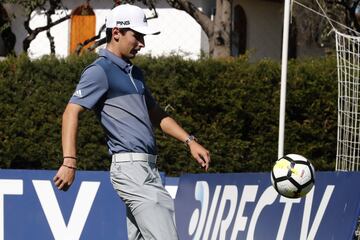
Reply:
x=116, y=91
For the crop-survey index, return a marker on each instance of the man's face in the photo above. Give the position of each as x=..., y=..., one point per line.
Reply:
x=130, y=42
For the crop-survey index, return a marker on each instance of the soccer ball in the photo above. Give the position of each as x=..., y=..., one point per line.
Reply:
x=293, y=176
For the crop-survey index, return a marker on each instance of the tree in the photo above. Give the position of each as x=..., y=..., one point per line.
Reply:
x=49, y=7
x=217, y=31
x=350, y=10
x=314, y=28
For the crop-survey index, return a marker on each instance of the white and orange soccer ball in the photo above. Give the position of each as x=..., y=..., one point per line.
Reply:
x=293, y=176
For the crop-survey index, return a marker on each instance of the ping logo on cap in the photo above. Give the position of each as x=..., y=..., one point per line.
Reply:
x=123, y=23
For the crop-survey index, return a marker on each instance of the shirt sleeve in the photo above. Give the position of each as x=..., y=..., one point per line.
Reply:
x=92, y=86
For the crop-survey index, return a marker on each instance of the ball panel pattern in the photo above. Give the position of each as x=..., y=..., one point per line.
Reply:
x=293, y=176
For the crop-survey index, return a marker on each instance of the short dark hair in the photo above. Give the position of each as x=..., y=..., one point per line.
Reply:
x=108, y=35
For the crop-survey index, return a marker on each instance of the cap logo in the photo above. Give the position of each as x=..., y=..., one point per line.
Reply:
x=123, y=23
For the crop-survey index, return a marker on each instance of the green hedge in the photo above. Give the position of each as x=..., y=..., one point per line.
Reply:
x=231, y=105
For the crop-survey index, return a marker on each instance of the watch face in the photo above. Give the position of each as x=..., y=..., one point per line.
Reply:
x=190, y=138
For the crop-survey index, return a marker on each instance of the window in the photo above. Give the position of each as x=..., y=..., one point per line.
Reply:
x=238, y=37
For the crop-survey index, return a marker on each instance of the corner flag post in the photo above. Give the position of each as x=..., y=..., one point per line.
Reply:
x=284, y=61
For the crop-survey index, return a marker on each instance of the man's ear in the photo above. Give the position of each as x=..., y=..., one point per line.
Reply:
x=116, y=32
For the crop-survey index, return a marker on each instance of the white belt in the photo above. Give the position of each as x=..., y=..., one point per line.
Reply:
x=130, y=157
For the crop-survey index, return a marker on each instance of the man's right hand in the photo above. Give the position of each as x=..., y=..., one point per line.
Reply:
x=64, y=177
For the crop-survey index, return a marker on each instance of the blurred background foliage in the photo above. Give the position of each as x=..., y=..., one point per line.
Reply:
x=231, y=105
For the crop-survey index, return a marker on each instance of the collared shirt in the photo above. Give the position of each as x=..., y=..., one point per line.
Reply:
x=116, y=90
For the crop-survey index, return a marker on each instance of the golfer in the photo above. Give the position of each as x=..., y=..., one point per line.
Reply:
x=115, y=89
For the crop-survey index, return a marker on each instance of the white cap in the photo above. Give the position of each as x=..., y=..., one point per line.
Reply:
x=129, y=16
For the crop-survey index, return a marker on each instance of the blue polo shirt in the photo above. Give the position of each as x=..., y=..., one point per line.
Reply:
x=116, y=91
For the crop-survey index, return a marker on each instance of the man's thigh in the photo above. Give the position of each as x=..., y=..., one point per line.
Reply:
x=139, y=185
x=156, y=222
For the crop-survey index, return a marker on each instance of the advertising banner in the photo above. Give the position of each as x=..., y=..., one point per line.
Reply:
x=208, y=206
x=32, y=208
x=246, y=206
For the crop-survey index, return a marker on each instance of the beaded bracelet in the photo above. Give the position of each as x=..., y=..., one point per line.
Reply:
x=71, y=167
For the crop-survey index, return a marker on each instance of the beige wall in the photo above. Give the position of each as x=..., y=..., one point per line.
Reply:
x=180, y=33
x=264, y=28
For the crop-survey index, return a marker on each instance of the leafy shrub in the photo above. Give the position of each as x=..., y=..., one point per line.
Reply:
x=232, y=106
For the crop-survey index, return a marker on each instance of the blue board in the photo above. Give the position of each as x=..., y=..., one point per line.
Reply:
x=245, y=206
x=35, y=209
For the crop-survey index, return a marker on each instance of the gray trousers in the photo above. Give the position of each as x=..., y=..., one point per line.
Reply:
x=150, y=208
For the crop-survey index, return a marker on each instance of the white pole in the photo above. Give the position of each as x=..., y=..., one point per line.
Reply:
x=284, y=61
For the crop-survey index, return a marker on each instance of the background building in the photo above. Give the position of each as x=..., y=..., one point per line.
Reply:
x=256, y=27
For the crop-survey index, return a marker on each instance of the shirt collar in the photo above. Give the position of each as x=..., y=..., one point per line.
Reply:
x=124, y=65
